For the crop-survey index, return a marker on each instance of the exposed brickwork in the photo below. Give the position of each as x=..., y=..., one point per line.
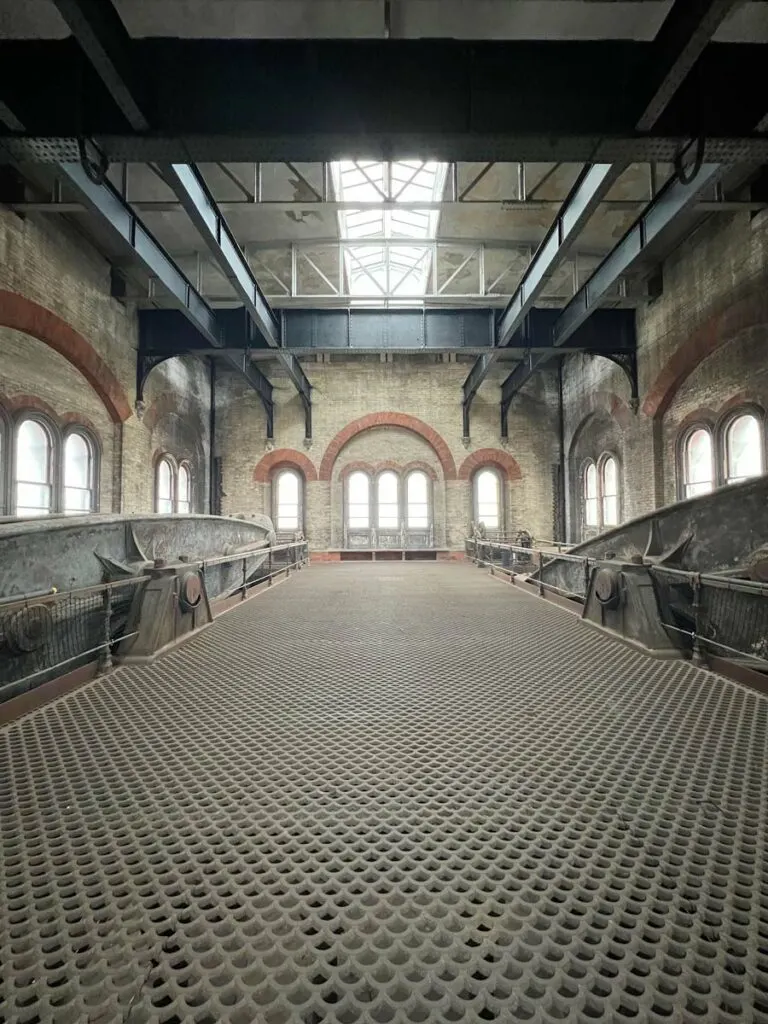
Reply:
x=22, y=314
x=388, y=419
x=720, y=328
x=281, y=458
x=502, y=460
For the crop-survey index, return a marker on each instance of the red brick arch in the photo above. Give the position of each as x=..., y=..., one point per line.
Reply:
x=21, y=314
x=490, y=457
x=280, y=458
x=717, y=330
x=388, y=419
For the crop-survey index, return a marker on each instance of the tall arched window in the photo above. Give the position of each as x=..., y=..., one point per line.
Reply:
x=287, y=501
x=743, y=448
x=698, y=463
x=184, y=490
x=79, y=474
x=34, y=469
x=358, y=501
x=165, y=476
x=488, y=498
x=417, y=500
x=388, y=501
x=609, y=481
x=591, y=500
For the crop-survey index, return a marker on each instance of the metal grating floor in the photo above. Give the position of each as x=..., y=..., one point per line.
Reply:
x=395, y=792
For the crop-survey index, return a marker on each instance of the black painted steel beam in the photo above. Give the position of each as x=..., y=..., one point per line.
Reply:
x=450, y=99
x=636, y=245
x=194, y=195
x=127, y=230
x=589, y=190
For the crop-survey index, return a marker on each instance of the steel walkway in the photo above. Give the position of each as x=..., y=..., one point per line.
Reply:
x=390, y=792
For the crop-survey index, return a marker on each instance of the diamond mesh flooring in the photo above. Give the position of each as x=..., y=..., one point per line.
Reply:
x=395, y=792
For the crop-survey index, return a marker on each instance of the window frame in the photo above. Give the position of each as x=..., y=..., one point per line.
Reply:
x=376, y=504
x=94, y=449
x=54, y=470
x=602, y=462
x=165, y=457
x=501, y=492
x=185, y=467
x=370, y=477
x=7, y=444
x=682, y=458
x=274, y=500
x=598, y=465
x=723, y=428
x=430, y=500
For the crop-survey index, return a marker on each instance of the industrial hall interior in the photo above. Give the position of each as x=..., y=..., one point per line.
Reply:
x=383, y=511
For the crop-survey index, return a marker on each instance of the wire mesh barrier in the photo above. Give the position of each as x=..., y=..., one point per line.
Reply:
x=44, y=636
x=555, y=570
x=715, y=616
x=47, y=635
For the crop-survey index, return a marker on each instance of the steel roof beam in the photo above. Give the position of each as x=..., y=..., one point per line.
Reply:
x=194, y=195
x=130, y=234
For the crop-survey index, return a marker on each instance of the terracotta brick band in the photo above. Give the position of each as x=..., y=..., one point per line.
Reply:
x=21, y=314
x=490, y=457
x=283, y=457
x=388, y=419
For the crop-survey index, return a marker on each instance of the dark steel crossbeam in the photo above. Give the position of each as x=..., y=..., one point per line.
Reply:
x=97, y=27
x=590, y=188
x=646, y=232
x=463, y=100
x=194, y=195
x=129, y=232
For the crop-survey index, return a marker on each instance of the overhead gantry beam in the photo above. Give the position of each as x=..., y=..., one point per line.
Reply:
x=590, y=188
x=189, y=186
x=450, y=100
x=648, y=229
x=140, y=245
x=100, y=32
x=681, y=41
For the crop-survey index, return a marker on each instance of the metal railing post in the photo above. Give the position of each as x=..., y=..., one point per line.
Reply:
x=541, y=574
x=245, y=575
x=105, y=661
x=586, y=578
x=269, y=567
x=697, y=654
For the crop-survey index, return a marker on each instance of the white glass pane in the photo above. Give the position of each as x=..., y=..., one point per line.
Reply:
x=610, y=510
x=418, y=516
x=417, y=488
x=164, y=486
x=184, y=507
x=590, y=482
x=745, y=449
x=387, y=489
x=32, y=453
x=33, y=499
x=610, y=477
x=77, y=462
x=77, y=499
x=184, y=488
x=288, y=488
x=358, y=500
x=698, y=460
x=692, y=490
x=590, y=512
x=487, y=498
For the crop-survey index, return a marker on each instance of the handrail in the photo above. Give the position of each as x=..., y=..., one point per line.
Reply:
x=54, y=596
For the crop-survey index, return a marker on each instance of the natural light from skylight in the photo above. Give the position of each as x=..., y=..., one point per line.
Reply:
x=393, y=271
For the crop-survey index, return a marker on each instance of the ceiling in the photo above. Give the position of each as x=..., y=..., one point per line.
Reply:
x=370, y=19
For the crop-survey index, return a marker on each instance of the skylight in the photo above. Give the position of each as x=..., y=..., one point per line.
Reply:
x=397, y=269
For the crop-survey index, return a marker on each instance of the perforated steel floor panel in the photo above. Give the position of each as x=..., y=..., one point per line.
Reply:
x=396, y=792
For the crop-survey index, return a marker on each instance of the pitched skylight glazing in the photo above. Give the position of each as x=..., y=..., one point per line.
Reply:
x=397, y=270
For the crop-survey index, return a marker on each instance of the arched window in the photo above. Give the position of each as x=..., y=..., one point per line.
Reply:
x=488, y=498
x=388, y=501
x=417, y=500
x=743, y=448
x=287, y=501
x=165, y=477
x=591, y=500
x=34, y=469
x=358, y=501
x=79, y=474
x=184, y=490
x=698, y=464
x=609, y=481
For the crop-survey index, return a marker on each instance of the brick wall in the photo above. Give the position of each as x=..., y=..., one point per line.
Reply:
x=69, y=348
x=701, y=348
x=426, y=389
